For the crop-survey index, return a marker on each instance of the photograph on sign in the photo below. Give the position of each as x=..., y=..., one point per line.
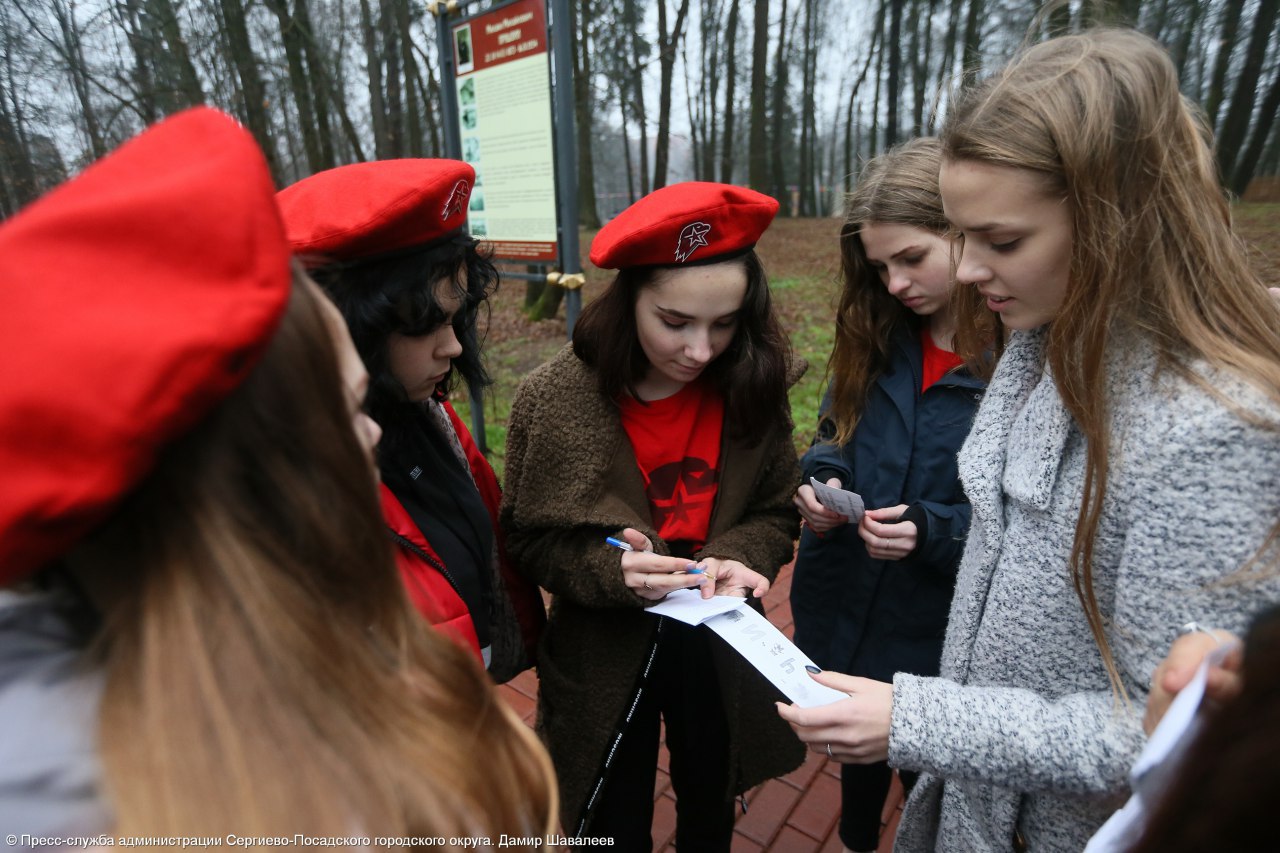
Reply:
x=504, y=122
x=462, y=56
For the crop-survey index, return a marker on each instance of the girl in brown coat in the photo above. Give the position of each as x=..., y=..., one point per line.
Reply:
x=666, y=424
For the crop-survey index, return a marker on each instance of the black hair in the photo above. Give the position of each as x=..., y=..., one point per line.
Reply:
x=397, y=295
x=751, y=373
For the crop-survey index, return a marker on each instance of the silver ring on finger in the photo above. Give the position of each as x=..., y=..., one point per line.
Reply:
x=829, y=755
x=646, y=584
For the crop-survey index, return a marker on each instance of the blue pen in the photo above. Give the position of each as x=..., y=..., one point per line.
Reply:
x=623, y=546
x=618, y=543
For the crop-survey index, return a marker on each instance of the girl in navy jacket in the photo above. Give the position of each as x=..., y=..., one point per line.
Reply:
x=870, y=596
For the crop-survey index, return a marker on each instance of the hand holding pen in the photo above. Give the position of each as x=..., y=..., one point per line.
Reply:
x=651, y=576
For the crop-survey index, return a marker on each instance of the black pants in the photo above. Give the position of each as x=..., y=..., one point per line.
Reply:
x=684, y=691
x=863, y=789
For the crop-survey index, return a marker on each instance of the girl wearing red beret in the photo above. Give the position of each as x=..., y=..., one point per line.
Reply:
x=387, y=242
x=665, y=424
x=201, y=629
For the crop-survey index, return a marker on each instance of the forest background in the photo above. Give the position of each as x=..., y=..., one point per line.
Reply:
x=785, y=96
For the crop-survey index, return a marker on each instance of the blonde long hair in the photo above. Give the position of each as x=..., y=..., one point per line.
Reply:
x=265, y=674
x=899, y=187
x=1100, y=117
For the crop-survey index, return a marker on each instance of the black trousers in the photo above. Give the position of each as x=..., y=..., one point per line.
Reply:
x=863, y=789
x=684, y=691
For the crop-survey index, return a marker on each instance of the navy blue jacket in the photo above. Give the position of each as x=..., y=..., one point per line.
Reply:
x=876, y=617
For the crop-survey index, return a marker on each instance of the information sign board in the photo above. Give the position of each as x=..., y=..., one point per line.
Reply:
x=504, y=120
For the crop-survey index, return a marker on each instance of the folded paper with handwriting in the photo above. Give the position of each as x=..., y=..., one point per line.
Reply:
x=847, y=503
x=755, y=638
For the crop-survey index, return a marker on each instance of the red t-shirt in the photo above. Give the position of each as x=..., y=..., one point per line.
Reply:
x=937, y=361
x=677, y=445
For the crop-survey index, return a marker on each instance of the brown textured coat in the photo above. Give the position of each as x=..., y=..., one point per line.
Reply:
x=571, y=480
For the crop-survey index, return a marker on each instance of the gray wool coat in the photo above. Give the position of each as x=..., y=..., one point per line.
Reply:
x=1021, y=732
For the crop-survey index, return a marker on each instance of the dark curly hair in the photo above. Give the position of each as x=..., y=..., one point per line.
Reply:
x=396, y=294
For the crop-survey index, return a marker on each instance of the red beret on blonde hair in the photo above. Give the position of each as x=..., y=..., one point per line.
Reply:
x=136, y=297
x=369, y=210
x=684, y=225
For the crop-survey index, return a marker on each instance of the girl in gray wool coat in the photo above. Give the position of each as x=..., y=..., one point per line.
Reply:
x=1123, y=468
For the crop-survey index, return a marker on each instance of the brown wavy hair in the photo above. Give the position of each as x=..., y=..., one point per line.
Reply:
x=898, y=187
x=1099, y=116
x=264, y=672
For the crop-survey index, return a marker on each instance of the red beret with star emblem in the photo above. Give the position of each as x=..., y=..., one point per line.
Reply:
x=686, y=224
x=369, y=210
x=137, y=297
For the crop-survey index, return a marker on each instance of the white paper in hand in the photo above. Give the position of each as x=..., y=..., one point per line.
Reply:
x=777, y=658
x=1159, y=762
x=689, y=607
x=849, y=504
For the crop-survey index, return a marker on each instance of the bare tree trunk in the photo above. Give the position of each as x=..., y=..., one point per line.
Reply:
x=1182, y=47
x=1235, y=126
x=292, y=37
x=808, y=130
x=757, y=154
x=632, y=23
x=695, y=108
x=377, y=106
x=949, y=45
x=850, y=149
x=431, y=100
x=1227, y=42
x=894, y=42
x=667, y=44
x=731, y=79
x=392, y=80
x=588, y=215
x=415, y=97
x=317, y=82
x=182, y=76
x=128, y=16
x=76, y=69
x=778, y=180
x=973, y=41
x=17, y=172
x=626, y=149
x=254, y=92
x=1247, y=165
x=872, y=146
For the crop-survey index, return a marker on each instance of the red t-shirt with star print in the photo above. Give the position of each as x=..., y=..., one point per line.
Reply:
x=677, y=446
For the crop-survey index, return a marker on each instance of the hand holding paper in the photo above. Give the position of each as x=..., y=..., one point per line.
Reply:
x=854, y=730
x=846, y=503
x=752, y=636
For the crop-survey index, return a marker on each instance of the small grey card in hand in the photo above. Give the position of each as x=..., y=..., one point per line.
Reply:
x=848, y=504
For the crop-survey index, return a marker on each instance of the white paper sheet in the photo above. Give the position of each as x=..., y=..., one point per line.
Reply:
x=849, y=504
x=688, y=606
x=777, y=658
x=1158, y=763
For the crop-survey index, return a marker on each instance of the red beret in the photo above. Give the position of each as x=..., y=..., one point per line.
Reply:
x=369, y=209
x=684, y=224
x=136, y=297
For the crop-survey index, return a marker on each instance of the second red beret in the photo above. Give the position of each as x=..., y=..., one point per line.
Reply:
x=696, y=222
x=370, y=209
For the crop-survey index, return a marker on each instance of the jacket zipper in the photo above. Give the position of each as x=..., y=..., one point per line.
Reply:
x=426, y=558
